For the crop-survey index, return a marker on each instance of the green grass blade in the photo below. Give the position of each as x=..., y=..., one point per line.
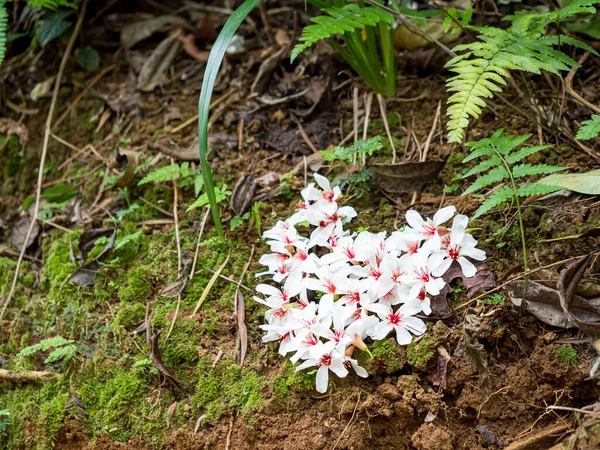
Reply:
x=208, y=84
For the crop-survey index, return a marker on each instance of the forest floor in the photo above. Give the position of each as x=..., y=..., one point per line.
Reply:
x=112, y=393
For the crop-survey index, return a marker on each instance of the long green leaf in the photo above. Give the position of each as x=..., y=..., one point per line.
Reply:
x=210, y=284
x=208, y=84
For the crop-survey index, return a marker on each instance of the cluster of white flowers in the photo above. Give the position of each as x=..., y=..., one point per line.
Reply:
x=338, y=288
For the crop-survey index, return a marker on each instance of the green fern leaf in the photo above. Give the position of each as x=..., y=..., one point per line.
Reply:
x=527, y=190
x=359, y=148
x=589, y=128
x=525, y=152
x=523, y=170
x=497, y=197
x=166, y=173
x=339, y=21
x=494, y=176
x=3, y=29
x=574, y=7
x=483, y=166
x=482, y=68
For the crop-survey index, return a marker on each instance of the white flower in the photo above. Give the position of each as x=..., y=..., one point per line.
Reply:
x=461, y=244
x=401, y=321
x=419, y=275
x=326, y=358
x=430, y=228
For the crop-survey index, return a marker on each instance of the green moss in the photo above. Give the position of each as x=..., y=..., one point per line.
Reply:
x=568, y=356
x=36, y=413
x=180, y=352
x=290, y=381
x=420, y=352
x=58, y=267
x=226, y=386
x=137, y=286
x=388, y=357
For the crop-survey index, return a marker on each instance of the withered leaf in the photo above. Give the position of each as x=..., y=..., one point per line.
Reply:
x=127, y=161
x=86, y=275
x=472, y=350
x=483, y=280
x=143, y=29
x=241, y=323
x=405, y=177
x=155, y=67
x=174, y=288
x=88, y=238
x=544, y=303
x=9, y=126
x=439, y=378
x=20, y=229
x=567, y=285
x=243, y=193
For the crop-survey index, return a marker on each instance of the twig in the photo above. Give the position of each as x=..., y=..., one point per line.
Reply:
x=579, y=410
x=226, y=278
x=158, y=208
x=349, y=422
x=28, y=376
x=305, y=137
x=228, y=443
x=423, y=157
x=40, y=180
x=80, y=96
x=239, y=313
x=386, y=125
x=368, y=103
x=569, y=85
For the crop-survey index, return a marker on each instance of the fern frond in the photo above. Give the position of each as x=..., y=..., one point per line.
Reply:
x=482, y=68
x=575, y=7
x=589, y=128
x=53, y=4
x=339, y=21
x=527, y=190
x=499, y=196
x=166, y=173
x=359, y=148
x=523, y=170
x=3, y=29
x=525, y=152
x=483, y=166
x=494, y=176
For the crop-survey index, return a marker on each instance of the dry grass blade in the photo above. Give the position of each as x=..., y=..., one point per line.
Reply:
x=241, y=323
x=210, y=285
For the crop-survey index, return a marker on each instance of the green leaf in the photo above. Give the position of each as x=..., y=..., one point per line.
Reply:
x=208, y=84
x=220, y=195
x=42, y=346
x=589, y=128
x=359, y=148
x=527, y=190
x=88, y=58
x=60, y=193
x=52, y=27
x=349, y=18
x=61, y=354
x=3, y=29
x=499, y=196
x=238, y=221
x=523, y=170
x=120, y=243
x=164, y=174
x=584, y=183
x=494, y=176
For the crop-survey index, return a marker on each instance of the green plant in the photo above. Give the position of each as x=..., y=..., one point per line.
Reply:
x=494, y=299
x=498, y=157
x=4, y=421
x=366, y=32
x=361, y=148
x=568, y=355
x=589, y=128
x=179, y=172
x=220, y=194
x=3, y=29
x=483, y=67
x=286, y=184
x=208, y=84
x=64, y=350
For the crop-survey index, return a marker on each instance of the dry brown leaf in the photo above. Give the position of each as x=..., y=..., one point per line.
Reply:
x=9, y=126
x=472, y=349
x=174, y=288
x=154, y=69
x=86, y=275
x=138, y=31
x=241, y=323
x=405, y=177
x=20, y=228
x=127, y=161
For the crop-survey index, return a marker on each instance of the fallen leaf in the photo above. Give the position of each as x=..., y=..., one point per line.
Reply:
x=127, y=161
x=20, y=228
x=138, y=31
x=171, y=414
x=544, y=303
x=482, y=281
x=172, y=113
x=174, y=288
x=9, y=126
x=439, y=378
x=567, y=285
x=243, y=193
x=153, y=71
x=405, y=177
x=472, y=350
x=263, y=77
x=88, y=239
x=241, y=324
x=42, y=89
x=584, y=183
x=87, y=274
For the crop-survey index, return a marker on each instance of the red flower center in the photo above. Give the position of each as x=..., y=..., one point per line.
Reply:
x=327, y=195
x=453, y=252
x=325, y=360
x=394, y=318
x=422, y=275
